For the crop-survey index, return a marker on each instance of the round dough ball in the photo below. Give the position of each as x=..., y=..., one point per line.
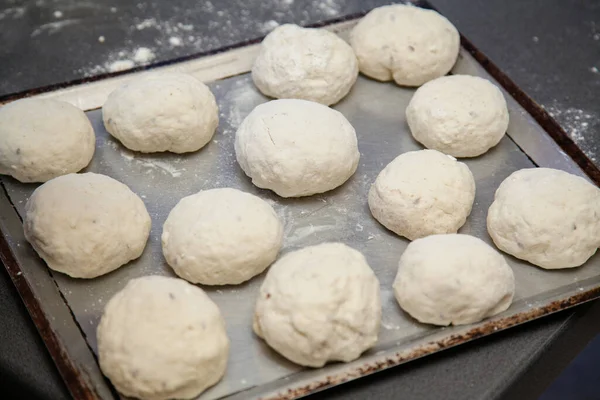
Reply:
x=162, y=338
x=162, y=112
x=460, y=115
x=547, y=217
x=319, y=304
x=296, y=147
x=453, y=279
x=43, y=139
x=408, y=44
x=304, y=63
x=86, y=225
x=221, y=237
x=422, y=193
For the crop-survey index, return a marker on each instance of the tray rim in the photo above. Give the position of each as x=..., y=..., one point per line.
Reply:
x=79, y=382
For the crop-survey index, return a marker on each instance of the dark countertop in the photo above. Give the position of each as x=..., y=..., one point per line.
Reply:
x=551, y=48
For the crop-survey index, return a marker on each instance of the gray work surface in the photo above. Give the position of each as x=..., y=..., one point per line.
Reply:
x=550, y=48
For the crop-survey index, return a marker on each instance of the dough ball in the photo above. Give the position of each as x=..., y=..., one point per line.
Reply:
x=319, y=304
x=86, y=225
x=162, y=338
x=422, y=193
x=304, y=63
x=221, y=237
x=162, y=112
x=296, y=147
x=408, y=44
x=453, y=279
x=460, y=115
x=43, y=139
x=547, y=217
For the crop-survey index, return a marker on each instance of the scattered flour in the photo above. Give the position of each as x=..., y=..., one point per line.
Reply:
x=143, y=55
x=123, y=60
x=239, y=101
x=329, y=7
x=147, y=23
x=580, y=125
x=389, y=326
x=12, y=13
x=175, y=41
x=269, y=26
x=54, y=27
x=163, y=166
x=127, y=58
x=185, y=27
x=150, y=162
x=300, y=233
x=208, y=6
x=120, y=65
x=178, y=36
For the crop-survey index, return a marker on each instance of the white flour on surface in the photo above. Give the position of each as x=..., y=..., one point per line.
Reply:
x=269, y=26
x=240, y=101
x=300, y=233
x=53, y=27
x=12, y=13
x=580, y=125
x=149, y=162
x=328, y=7
x=123, y=60
x=147, y=23
x=161, y=165
x=120, y=65
x=225, y=27
x=175, y=41
x=143, y=55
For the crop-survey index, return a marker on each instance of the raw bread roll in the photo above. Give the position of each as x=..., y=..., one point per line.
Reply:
x=547, y=217
x=423, y=193
x=221, y=236
x=296, y=147
x=304, y=63
x=460, y=115
x=319, y=304
x=408, y=44
x=162, y=112
x=162, y=338
x=86, y=225
x=453, y=279
x=43, y=139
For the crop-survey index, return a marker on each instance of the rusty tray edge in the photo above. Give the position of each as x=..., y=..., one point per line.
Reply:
x=391, y=358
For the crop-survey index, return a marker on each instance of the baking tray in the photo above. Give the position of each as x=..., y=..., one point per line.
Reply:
x=67, y=311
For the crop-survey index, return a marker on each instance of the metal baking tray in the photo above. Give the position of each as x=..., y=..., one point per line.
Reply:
x=66, y=311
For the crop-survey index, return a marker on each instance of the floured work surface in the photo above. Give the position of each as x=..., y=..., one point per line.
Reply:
x=376, y=110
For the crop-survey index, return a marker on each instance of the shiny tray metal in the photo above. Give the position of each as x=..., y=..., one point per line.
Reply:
x=68, y=310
